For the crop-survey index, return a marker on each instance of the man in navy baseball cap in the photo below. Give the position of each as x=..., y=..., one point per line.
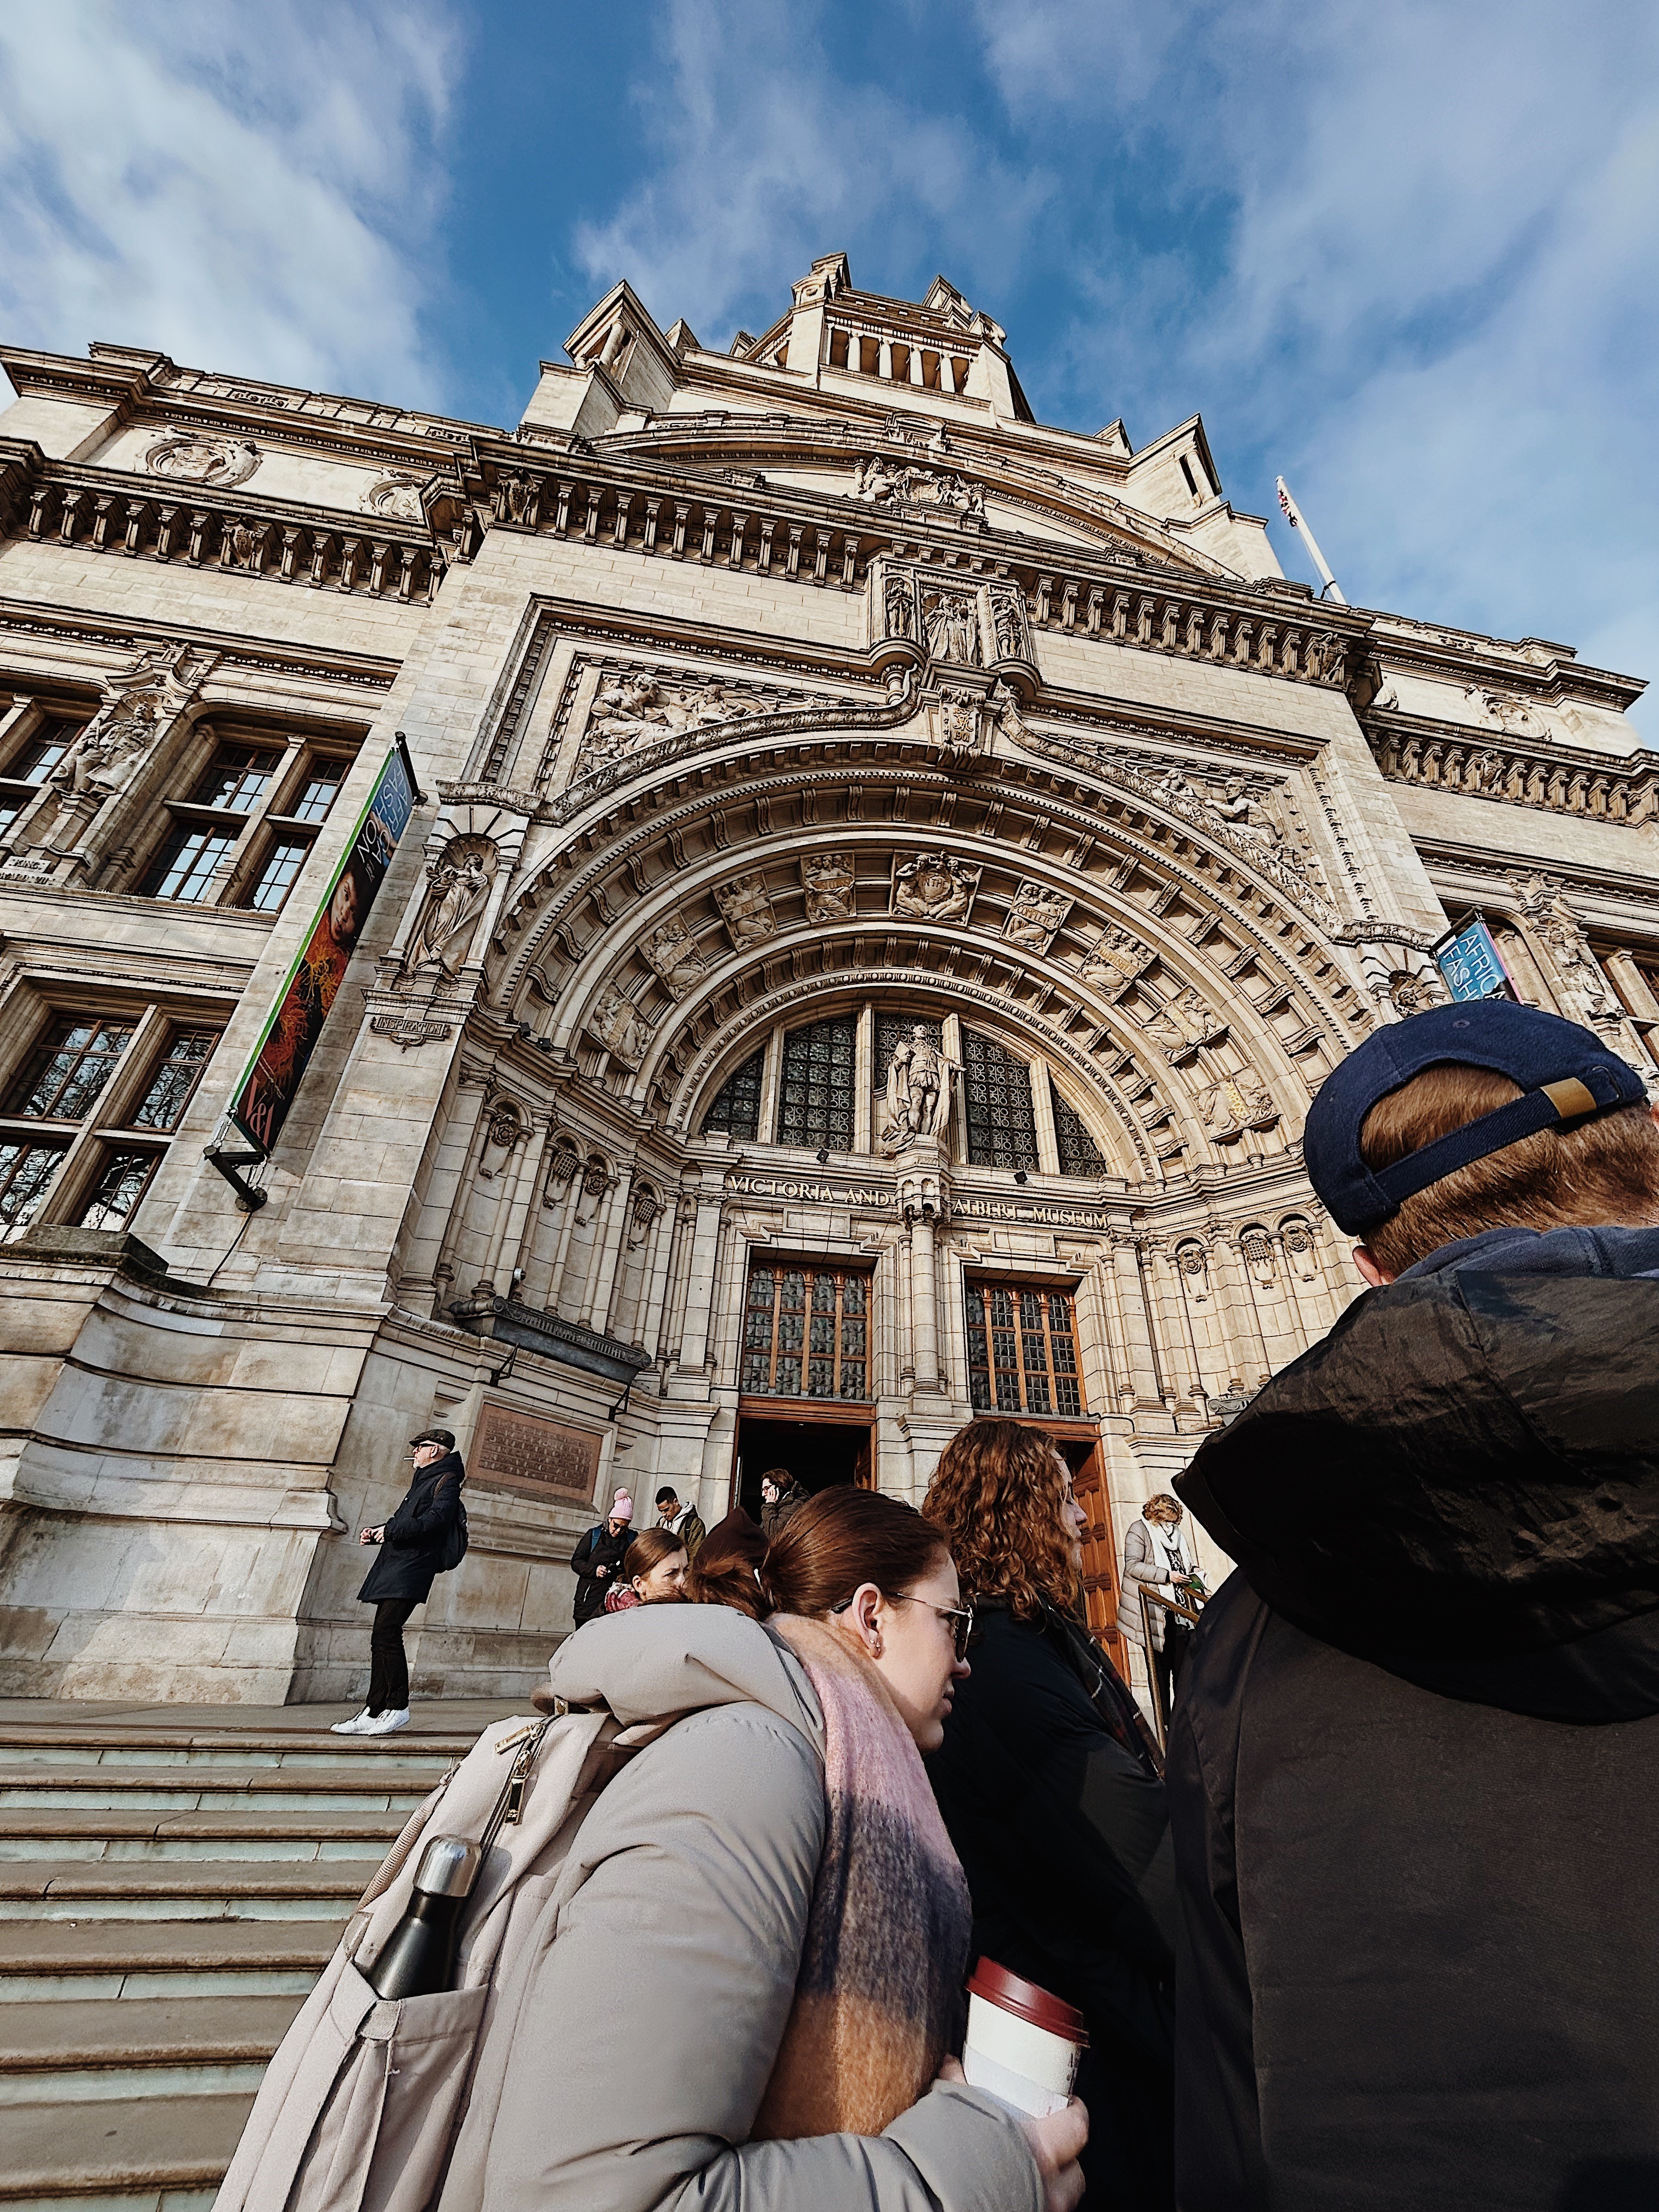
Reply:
x=1414, y=1763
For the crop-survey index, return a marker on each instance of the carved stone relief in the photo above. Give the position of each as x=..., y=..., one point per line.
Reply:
x=1301, y=1250
x=136, y=707
x=1116, y=960
x=934, y=887
x=192, y=457
x=458, y=890
x=828, y=880
x=1235, y=1100
x=1585, y=996
x=949, y=626
x=398, y=498
x=1502, y=710
x=1011, y=632
x=1182, y=1026
x=616, y=1022
x=885, y=481
x=745, y=906
x=1035, y=917
x=1257, y=1249
x=635, y=709
x=672, y=953
x=1192, y=1266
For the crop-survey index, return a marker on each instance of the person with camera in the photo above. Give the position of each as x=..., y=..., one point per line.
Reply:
x=424, y=1538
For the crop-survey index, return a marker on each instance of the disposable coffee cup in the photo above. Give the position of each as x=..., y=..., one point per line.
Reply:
x=1023, y=2043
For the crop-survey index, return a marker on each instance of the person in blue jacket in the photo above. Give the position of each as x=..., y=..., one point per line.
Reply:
x=423, y=1539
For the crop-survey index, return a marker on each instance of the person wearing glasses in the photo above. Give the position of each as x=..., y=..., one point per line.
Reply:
x=770, y=1925
x=423, y=1539
x=1049, y=1784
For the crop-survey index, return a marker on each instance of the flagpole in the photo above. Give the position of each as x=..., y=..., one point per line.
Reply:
x=1298, y=521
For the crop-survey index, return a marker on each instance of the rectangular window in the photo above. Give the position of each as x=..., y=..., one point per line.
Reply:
x=806, y=1333
x=184, y=872
x=26, y=1176
x=321, y=789
x=815, y=1107
x=1022, y=1350
x=43, y=752
x=121, y=1183
x=282, y=864
x=1001, y=1118
x=66, y=1076
x=170, y=1087
x=238, y=776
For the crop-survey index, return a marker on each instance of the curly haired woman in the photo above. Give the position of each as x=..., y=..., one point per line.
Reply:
x=1051, y=1793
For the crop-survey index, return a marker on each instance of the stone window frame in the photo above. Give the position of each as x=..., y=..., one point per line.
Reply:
x=47, y=727
x=110, y=1130
x=248, y=839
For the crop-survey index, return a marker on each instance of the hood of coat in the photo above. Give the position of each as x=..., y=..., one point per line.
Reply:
x=1461, y=1482
x=655, y=1660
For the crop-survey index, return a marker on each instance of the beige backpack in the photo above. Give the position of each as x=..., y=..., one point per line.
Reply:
x=360, y=2108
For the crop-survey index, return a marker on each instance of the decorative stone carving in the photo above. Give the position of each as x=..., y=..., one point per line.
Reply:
x=1584, y=993
x=615, y=1021
x=1502, y=710
x=1010, y=629
x=828, y=880
x=745, y=906
x=195, y=457
x=887, y=483
x=647, y=1205
x=396, y=498
x=950, y=624
x=458, y=890
x=1192, y=1266
x=899, y=604
x=1257, y=1249
x=934, y=887
x=917, y=1100
x=1235, y=1100
x=137, y=707
x=1002, y=702
x=407, y=1030
x=561, y=1169
x=1301, y=1248
x=1180, y=1028
x=636, y=709
x=672, y=951
x=1035, y=917
x=1116, y=960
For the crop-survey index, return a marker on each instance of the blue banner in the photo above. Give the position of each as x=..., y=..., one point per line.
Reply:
x=1472, y=966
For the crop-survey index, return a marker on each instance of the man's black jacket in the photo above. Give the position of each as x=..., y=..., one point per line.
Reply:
x=599, y=1547
x=412, y=1549
x=1414, y=1770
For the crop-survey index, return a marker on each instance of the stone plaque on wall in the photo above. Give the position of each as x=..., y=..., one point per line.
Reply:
x=522, y=1451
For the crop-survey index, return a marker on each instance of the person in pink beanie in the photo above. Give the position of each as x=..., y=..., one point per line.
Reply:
x=597, y=1560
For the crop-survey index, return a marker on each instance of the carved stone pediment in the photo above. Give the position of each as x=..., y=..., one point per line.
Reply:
x=636, y=709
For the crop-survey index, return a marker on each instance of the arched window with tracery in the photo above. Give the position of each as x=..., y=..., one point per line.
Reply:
x=736, y=1109
x=997, y=1096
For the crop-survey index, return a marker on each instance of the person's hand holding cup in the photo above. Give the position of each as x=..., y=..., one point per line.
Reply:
x=1056, y=2141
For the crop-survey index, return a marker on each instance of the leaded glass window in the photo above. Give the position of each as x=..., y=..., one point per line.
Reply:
x=66, y=1077
x=815, y=1107
x=121, y=1183
x=1022, y=1350
x=736, y=1109
x=805, y=1333
x=174, y=1079
x=1079, y=1155
x=1001, y=1118
x=185, y=871
x=26, y=1176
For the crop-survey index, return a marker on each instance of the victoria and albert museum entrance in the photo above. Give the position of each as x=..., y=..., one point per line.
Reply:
x=771, y=909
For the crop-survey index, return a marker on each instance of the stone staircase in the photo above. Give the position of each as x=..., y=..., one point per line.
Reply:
x=171, y=1881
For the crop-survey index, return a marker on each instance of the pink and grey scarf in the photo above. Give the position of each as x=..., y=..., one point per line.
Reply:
x=889, y=1924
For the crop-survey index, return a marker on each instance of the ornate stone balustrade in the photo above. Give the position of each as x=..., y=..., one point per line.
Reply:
x=1557, y=778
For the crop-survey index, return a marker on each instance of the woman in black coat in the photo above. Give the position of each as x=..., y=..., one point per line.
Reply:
x=598, y=1558
x=425, y=1537
x=1048, y=1782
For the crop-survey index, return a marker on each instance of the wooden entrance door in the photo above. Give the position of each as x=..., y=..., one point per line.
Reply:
x=1100, y=1570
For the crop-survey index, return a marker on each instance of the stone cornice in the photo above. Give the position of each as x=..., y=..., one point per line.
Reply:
x=1490, y=764
x=125, y=635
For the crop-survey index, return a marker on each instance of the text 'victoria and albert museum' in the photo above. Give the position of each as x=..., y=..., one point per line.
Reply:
x=777, y=905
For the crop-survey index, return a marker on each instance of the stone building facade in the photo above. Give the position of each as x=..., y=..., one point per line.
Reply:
x=870, y=884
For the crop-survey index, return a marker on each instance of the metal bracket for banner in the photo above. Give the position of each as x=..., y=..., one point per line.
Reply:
x=230, y=1163
x=402, y=743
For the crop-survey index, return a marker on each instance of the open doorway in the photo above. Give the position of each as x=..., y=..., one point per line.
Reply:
x=819, y=1453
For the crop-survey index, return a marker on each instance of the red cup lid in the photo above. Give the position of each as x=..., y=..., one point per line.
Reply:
x=1027, y=2001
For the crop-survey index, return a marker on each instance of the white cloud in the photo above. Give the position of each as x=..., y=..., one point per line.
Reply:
x=758, y=157
x=244, y=188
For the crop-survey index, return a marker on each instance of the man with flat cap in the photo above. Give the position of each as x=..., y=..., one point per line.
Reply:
x=425, y=1537
x=1414, y=1768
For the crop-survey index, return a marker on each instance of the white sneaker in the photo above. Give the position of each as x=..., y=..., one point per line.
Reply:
x=383, y=1723
x=353, y=1726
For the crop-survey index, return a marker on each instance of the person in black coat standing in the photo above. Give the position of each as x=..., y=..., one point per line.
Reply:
x=1415, y=1767
x=599, y=1557
x=1048, y=1782
x=424, y=1538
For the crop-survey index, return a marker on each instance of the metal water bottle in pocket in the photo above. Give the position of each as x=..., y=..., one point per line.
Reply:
x=419, y=1955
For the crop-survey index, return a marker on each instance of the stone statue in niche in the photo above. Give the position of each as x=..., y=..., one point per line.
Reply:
x=672, y=952
x=745, y=906
x=918, y=1095
x=192, y=458
x=898, y=601
x=935, y=887
x=1180, y=1028
x=1117, y=960
x=951, y=622
x=828, y=880
x=615, y=1021
x=1034, y=916
x=137, y=707
x=1008, y=625
x=457, y=891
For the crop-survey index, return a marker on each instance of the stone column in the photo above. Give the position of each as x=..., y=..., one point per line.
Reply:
x=1131, y=1311
x=700, y=1284
x=607, y=1248
x=924, y=1203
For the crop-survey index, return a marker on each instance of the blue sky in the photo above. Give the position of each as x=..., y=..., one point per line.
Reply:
x=1404, y=253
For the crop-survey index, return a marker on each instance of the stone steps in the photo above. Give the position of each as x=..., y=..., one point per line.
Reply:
x=170, y=1885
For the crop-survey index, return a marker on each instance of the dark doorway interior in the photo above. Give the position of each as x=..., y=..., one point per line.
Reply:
x=818, y=1454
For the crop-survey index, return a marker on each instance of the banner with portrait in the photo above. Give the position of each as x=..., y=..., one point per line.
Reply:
x=260, y=1102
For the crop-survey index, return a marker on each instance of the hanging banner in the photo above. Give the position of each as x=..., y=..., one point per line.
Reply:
x=1472, y=966
x=260, y=1102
